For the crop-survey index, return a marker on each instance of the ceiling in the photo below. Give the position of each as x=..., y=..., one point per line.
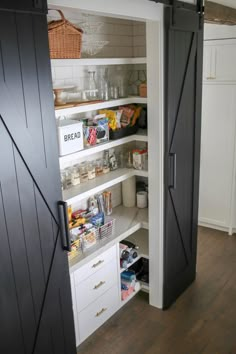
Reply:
x=230, y=3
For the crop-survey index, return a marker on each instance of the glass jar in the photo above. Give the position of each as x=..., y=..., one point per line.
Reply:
x=75, y=176
x=92, y=87
x=99, y=167
x=129, y=160
x=91, y=170
x=68, y=183
x=83, y=171
x=106, y=164
x=63, y=180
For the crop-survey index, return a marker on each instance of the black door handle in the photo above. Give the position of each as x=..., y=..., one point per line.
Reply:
x=172, y=170
x=64, y=226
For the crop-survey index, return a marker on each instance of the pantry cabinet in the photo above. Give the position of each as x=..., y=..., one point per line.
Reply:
x=77, y=295
x=218, y=157
x=219, y=59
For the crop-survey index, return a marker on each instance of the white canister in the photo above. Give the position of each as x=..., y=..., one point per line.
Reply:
x=129, y=192
x=142, y=200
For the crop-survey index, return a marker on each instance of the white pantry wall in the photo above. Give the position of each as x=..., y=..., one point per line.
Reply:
x=140, y=9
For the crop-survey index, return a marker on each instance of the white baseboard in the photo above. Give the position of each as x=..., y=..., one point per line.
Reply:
x=215, y=227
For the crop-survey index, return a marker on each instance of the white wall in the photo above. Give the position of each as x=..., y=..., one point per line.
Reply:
x=213, y=31
x=141, y=9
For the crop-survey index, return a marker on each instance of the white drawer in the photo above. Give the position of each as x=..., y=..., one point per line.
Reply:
x=98, y=312
x=93, y=266
x=93, y=287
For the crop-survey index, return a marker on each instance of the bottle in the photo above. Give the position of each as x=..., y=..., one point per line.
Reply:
x=92, y=86
x=105, y=86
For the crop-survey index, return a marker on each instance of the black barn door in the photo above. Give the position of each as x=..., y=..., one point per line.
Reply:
x=35, y=296
x=184, y=43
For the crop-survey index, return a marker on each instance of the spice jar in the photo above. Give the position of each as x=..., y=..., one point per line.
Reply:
x=91, y=170
x=99, y=167
x=83, y=171
x=75, y=176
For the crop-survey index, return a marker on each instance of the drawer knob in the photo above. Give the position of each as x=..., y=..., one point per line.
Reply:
x=100, y=312
x=99, y=285
x=97, y=264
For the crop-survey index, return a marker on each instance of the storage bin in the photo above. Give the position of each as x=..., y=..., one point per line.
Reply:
x=70, y=136
x=121, y=133
x=95, y=134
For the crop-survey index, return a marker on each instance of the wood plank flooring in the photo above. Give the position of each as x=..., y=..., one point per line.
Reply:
x=203, y=320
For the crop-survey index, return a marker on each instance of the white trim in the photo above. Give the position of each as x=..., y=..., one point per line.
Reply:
x=85, y=190
x=102, y=61
x=102, y=105
x=99, y=148
x=232, y=222
x=140, y=10
x=213, y=226
x=156, y=159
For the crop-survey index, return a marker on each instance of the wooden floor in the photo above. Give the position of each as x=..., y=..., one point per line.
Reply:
x=203, y=320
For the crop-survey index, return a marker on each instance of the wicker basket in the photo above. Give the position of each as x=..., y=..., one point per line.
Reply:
x=65, y=39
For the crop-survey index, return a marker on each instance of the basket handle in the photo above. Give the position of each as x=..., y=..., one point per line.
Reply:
x=60, y=12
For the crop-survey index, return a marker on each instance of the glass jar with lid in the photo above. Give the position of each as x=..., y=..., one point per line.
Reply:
x=99, y=167
x=83, y=171
x=75, y=176
x=91, y=170
x=68, y=183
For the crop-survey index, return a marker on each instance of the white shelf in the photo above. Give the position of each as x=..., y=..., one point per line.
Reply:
x=100, y=105
x=137, y=289
x=97, y=61
x=128, y=221
x=140, y=238
x=85, y=190
x=140, y=136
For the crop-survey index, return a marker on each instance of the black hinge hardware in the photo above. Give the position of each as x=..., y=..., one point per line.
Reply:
x=199, y=8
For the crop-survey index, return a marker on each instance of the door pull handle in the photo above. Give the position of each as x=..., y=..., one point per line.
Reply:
x=173, y=165
x=64, y=226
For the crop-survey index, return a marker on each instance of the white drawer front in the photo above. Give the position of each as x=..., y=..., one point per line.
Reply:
x=98, y=312
x=93, y=266
x=75, y=312
x=91, y=288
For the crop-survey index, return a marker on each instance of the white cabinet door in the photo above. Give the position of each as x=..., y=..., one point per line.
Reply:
x=219, y=60
x=217, y=154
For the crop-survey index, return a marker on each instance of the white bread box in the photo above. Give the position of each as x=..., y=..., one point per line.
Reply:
x=70, y=136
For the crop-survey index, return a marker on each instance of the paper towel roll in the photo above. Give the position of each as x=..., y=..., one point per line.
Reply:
x=129, y=192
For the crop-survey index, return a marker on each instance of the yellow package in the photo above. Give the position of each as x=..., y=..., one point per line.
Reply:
x=111, y=115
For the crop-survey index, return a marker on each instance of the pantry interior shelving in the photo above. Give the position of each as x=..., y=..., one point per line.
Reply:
x=98, y=61
x=85, y=190
x=127, y=222
x=139, y=238
x=99, y=105
x=141, y=135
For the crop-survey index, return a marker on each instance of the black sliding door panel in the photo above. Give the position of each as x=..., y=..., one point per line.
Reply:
x=35, y=298
x=37, y=6
x=184, y=43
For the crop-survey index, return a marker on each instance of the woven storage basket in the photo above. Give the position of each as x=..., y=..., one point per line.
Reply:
x=65, y=39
